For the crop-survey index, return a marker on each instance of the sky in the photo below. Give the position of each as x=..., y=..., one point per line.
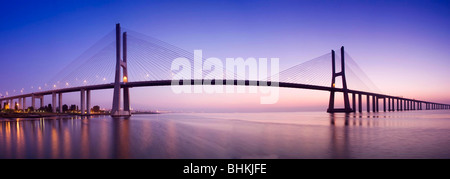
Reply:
x=401, y=45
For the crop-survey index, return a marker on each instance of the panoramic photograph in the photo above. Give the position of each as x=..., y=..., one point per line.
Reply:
x=227, y=79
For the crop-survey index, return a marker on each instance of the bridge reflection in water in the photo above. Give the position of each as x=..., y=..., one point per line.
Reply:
x=414, y=134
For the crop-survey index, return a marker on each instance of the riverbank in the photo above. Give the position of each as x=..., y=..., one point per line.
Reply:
x=41, y=115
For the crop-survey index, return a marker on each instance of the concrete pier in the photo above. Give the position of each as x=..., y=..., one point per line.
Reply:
x=360, y=103
x=54, y=102
x=60, y=103
x=368, y=103
x=88, y=101
x=83, y=101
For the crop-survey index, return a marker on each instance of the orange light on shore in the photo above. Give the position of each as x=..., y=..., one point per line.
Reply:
x=125, y=79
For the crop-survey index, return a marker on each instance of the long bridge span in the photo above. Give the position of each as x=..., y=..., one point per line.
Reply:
x=389, y=102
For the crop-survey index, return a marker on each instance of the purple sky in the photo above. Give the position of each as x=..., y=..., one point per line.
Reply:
x=401, y=45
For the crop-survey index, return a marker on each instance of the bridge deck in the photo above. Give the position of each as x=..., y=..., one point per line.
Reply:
x=208, y=82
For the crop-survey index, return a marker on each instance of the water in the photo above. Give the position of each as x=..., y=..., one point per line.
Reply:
x=413, y=134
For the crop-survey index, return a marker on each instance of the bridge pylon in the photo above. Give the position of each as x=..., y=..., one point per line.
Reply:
x=121, y=63
x=331, y=107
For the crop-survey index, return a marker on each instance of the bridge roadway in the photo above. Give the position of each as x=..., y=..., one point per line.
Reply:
x=409, y=104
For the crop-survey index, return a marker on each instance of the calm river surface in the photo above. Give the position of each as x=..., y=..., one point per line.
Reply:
x=413, y=134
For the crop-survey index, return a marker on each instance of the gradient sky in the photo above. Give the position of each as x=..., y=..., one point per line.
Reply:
x=403, y=46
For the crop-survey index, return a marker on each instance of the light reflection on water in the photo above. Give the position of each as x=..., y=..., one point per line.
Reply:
x=413, y=134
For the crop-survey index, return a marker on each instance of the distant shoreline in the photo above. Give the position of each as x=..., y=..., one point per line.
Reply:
x=40, y=115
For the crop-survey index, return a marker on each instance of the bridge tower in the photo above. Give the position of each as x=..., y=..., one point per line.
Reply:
x=121, y=63
x=331, y=108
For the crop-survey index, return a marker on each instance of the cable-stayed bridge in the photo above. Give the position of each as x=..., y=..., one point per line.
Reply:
x=125, y=60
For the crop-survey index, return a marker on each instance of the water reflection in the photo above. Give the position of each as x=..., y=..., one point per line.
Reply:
x=271, y=135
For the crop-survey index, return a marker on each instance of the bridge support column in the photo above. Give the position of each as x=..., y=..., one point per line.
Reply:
x=20, y=104
x=354, y=102
x=389, y=104
x=24, y=103
x=360, y=103
x=11, y=104
x=33, y=102
x=126, y=91
x=60, y=102
x=384, y=104
x=54, y=102
x=83, y=98
x=377, y=103
x=368, y=103
x=115, y=111
x=393, y=104
x=88, y=102
x=42, y=101
x=398, y=105
x=401, y=104
x=373, y=103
